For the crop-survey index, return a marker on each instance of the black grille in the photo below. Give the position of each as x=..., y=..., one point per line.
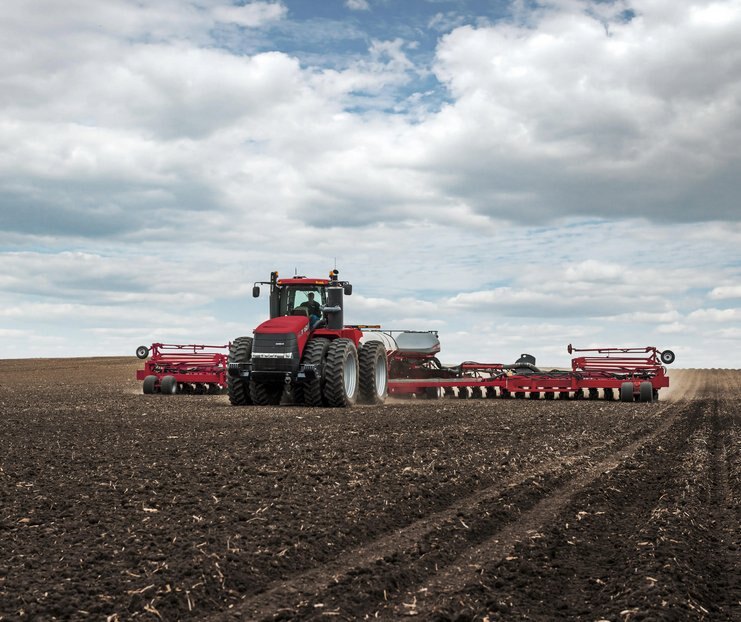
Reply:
x=281, y=343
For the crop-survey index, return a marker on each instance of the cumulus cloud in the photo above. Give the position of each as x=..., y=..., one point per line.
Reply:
x=626, y=111
x=357, y=5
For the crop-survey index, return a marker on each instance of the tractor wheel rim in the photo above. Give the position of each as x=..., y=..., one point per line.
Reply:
x=381, y=375
x=349, y=372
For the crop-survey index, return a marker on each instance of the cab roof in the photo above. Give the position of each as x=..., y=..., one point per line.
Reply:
x=300, y=280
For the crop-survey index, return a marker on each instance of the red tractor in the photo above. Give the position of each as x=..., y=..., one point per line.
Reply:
x=306, y=348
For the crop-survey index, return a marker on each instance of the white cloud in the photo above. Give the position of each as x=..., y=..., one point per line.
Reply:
x=715, y=315
x=725, y=292
x=357, y=5
x=251, y=15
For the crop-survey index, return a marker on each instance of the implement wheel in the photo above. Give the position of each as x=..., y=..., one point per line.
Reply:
x=374, y=373
x=626, y=392
x=265, y=393
x=168, y=385
x=341, y=374
x=310, y=392
x=149, y=385
x=240, y=351
x=142, y=352
x=646, y=392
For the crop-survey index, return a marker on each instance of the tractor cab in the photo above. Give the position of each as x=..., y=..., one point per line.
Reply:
x=296, y=296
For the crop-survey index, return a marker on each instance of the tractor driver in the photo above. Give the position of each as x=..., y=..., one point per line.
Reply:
x=314, y=309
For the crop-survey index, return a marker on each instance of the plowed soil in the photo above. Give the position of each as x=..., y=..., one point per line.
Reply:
x=118, y=506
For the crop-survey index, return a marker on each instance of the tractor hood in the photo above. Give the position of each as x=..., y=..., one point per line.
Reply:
x=287, y=324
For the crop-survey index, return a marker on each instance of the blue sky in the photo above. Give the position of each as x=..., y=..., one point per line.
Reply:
x=517, y=175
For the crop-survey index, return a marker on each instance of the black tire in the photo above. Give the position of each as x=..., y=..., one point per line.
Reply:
x=491, y=392
x=476, y=393
x=579, y=394
x=563, y=395
x=341, y=373
x=448, y=392
x=373, y=373
x=310, y=393
x=463, y=393
x=609, y=395
x=240, y=351
x=168, y=385
x=646, y=392
x=519, y=395
x=505, y=394
x=549, y=395
x=265, y=393
x=534, y=395
x=142, y=352
x=656, y=395
x=626, y=392
x=667, y=357
x=593, y=394
x=149, y=385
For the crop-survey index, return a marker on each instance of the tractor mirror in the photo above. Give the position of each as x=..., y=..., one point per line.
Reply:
x=348, y=289
x=256, y=291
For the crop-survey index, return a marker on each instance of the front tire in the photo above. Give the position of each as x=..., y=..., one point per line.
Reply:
x=341, y=374
x=240, y=351
x=311, y=393
x=265, y=393
x=373, y=373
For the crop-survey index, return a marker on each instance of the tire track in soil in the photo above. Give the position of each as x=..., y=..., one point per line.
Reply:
x=665, y=545
x=499, y=516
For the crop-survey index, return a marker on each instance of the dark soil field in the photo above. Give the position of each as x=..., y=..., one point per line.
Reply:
x=118, y=506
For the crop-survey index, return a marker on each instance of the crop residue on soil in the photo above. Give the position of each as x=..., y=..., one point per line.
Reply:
x=115, y=505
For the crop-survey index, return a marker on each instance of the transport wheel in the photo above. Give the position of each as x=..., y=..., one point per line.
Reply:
x=579, y=394
x=563, y=395
x=626, y=392
x=609, y=395
x=149, y=385
x=505, y=394
x=448, y=392
x=550, y=395
x=142, y=352
x=168, y=385
x=646, y=392
x=593, y=394
x=491, y=392
x=240, y=351
x=200, y=388
x=374, y=374
x=534, y=395
x=667, y=357
x=477, y=393
x=310, y=392
x=266, y=393
x=341, y=374
x=463, y=393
